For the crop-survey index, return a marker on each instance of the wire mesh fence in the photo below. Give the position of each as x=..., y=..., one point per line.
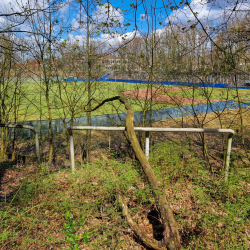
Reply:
x=119, y=119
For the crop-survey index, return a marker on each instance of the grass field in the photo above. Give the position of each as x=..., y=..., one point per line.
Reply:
x=211, y=93
x=74, y=96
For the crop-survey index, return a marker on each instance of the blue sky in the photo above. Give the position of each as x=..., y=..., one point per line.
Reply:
x=143, y=16
x=158, y=12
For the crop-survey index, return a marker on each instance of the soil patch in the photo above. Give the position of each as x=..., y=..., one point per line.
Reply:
x=143, y=94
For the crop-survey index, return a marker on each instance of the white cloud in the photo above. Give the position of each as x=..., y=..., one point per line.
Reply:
x=108, y=43
x=103, y=18
x=144, y=17
x=10, y=6
x=2, y=21
x=107, y=13
x=4, y=4
x=117, y=39
x=208, y=11
x=19, y=21
x=80, y=40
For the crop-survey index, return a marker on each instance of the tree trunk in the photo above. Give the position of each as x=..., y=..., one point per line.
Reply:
x=50, y=125
x=171, y=235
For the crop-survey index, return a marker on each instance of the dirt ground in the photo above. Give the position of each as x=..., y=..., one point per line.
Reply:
x=142, y=94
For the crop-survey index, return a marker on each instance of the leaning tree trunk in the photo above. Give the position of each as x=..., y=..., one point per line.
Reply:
x=171, y=238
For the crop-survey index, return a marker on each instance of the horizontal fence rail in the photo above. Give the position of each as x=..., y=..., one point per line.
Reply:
x=19, y=126
x=152, y=129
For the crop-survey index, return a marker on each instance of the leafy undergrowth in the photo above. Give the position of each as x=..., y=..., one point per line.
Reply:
x=211, y=214
x=64, y=211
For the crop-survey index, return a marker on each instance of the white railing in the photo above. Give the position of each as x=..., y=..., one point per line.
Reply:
x=151, y=129
x=15, y=126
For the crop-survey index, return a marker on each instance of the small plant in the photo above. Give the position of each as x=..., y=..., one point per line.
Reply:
x=69, y=230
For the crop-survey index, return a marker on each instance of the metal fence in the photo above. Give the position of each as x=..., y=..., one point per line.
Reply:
x=193, y=130
x=176, y=83
x=14, y=127
x=118, y=119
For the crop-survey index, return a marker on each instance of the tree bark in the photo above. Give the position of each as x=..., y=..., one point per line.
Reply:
x=171, y=235
x=50, y=125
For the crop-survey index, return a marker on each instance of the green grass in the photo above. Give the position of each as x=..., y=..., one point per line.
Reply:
x=74, y=95
x=211, y=93
x=45, y=203
x=66, y=211
x=220, y=211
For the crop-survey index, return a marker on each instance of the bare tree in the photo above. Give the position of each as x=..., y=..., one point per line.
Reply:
x=11, y=91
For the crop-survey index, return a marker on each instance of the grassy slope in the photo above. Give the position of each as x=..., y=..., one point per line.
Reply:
x=59, y=210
